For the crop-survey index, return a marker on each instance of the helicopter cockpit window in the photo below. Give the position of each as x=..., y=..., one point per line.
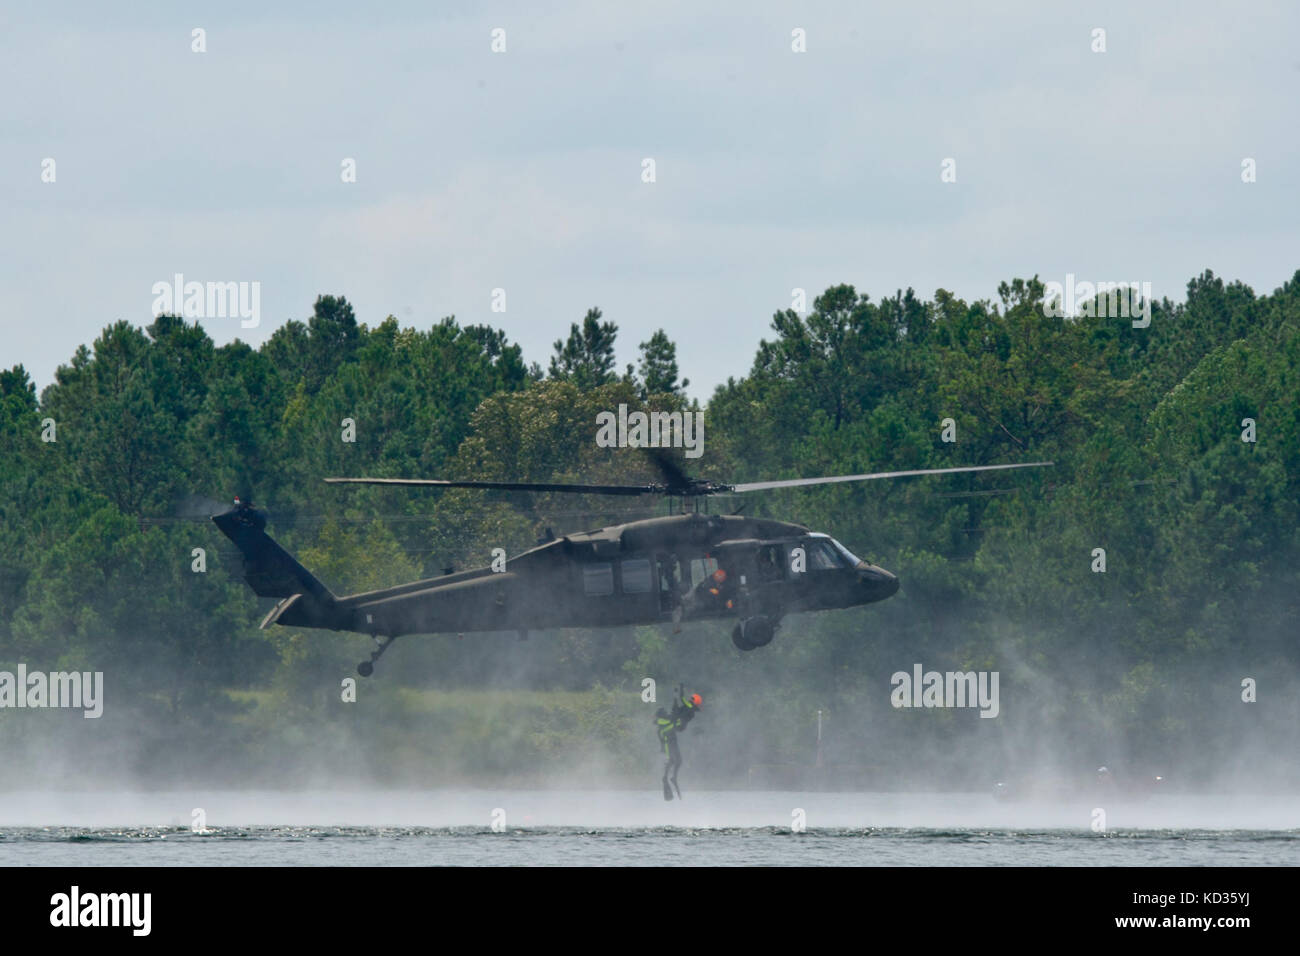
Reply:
x=823, y=557
x=598, y=579
x=846, y=554
x=636, y=576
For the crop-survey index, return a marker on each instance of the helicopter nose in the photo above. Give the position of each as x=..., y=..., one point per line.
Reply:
x=878, y=581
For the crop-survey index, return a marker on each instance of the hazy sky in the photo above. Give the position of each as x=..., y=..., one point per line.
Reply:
x=522, y=170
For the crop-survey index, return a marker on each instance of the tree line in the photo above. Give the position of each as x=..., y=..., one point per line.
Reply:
x=1127, y=594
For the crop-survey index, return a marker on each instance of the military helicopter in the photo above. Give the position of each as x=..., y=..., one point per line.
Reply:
x=674, y=568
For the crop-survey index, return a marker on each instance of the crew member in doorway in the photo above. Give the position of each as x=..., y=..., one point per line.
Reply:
x=717, y=592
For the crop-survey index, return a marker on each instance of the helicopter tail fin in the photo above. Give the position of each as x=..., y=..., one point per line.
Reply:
x=272, y=571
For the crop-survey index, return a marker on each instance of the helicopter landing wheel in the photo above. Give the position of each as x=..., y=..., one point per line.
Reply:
x=738, y=638
x=758, y=630
x=754, y=632
x=366, y=668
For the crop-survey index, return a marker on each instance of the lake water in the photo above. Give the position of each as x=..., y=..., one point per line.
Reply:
x=550, y=828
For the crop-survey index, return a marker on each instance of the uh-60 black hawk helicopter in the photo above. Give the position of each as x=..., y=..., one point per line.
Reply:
x=686, y=566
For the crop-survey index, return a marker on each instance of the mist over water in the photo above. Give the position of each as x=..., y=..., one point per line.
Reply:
x=608, y=809
x=446, y=717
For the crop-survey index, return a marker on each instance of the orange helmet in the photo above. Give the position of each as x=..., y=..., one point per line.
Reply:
x=697, y=700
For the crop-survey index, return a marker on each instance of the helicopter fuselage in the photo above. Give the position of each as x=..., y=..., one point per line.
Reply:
x=673, y=568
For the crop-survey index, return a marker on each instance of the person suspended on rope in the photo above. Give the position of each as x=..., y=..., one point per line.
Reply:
x=670, y=724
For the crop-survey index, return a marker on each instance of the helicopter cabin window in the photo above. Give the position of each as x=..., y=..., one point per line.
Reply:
x=670, y=574
x=636, y=576
x=598, y=579
x=768, y=560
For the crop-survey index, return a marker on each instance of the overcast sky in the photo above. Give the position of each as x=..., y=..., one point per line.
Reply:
x=522, y=170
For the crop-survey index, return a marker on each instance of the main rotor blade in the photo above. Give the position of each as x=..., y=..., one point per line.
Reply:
x=799, y=482
x=502, y=486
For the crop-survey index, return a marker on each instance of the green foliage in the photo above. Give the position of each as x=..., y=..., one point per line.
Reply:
x=1199, y=528
x=658, y=366
x=587, y=358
